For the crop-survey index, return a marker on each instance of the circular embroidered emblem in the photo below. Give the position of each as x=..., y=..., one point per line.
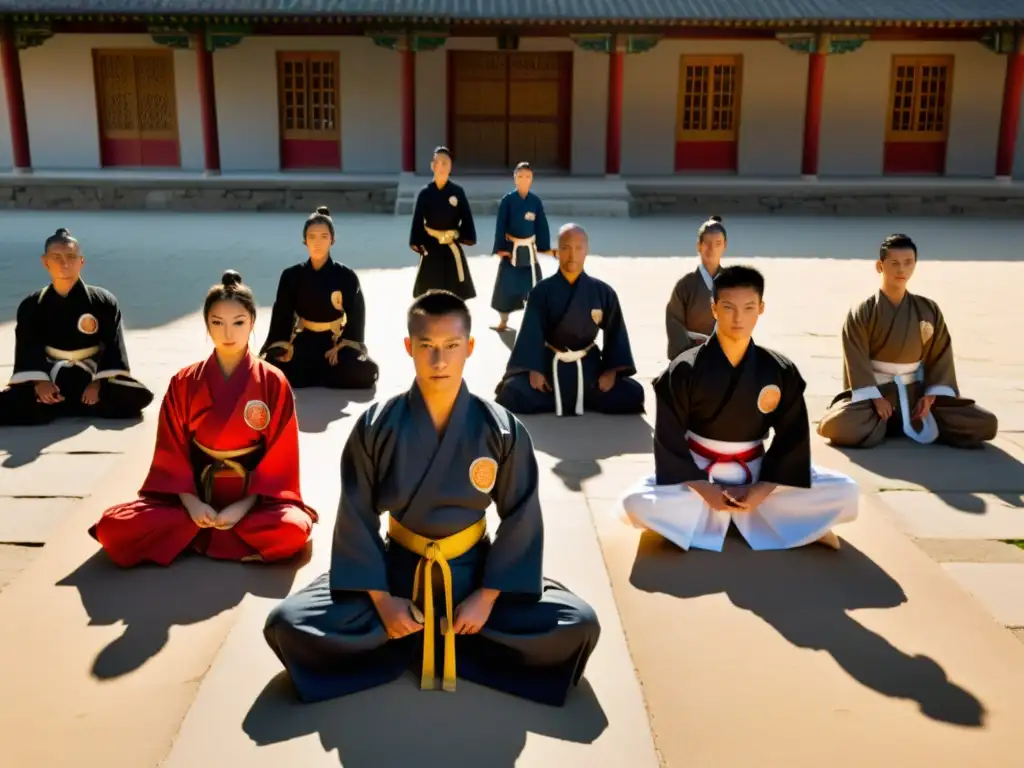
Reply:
x=483, y=473
x=88, y=324
x=336, y=300
x=530, y=216
x=927, y=331
x=453, y=201
x=596, y=315
x=256, y=415
x=768, y=398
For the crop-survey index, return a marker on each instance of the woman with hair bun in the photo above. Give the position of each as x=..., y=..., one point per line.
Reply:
x=224, y=480
x=688, y=318
x=69, y=351
x=319, y=319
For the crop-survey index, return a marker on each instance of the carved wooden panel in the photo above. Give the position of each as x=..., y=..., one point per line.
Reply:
x=709, y=98
x=135, y=95
x=919, y=100
x=118, y=103
x=309, y=95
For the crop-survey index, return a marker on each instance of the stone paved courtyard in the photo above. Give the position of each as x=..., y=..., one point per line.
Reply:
x=894, y=651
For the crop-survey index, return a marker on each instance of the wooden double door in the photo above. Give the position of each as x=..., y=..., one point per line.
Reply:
x=509, y=106
x=137, y=108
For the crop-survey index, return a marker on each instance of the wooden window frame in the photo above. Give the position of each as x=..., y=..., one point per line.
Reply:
x=709, y=61
x=899, y=60
x=305, y=134
x=170, y=135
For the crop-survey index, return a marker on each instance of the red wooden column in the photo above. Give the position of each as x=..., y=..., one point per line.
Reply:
x=1010, y=118
x=613, y=150
x=15, y=99
x=208, y=103
x=408, y=105
x=815, y=94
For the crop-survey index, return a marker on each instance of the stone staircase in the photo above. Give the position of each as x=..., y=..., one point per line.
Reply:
x=594, y=196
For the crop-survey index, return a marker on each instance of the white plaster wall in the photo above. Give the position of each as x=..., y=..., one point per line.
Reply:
x=60, y=101
x=856, y=105
x=246, y=82
x=773, y=89
x=588, y=111
x=6, y=153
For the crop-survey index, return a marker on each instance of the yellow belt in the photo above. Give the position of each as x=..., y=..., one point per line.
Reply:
x=448, y=237
x=439, y=552
x=336, y=327
x=226, y=459
x=65, y=358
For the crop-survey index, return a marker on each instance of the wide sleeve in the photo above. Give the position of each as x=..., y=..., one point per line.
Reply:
x=788, y=460
x=858, y=375
x=277, y=474
x=673, y=462
x=515, y=561
x=357, y=553
x=616, y=352
x=282, y=316
x=171, y=471
x=467, y=228
x=30, y=364
x=418, y=237
x=114, y=357
x=528, y=352
x=355, y=313
x=541, y=229
x=679, y=339
x=501, y=242
x=939, y=366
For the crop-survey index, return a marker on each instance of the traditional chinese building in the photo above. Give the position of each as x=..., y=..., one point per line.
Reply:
x=635, y=89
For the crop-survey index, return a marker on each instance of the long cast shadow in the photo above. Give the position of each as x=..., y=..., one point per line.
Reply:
x=149, y=600
x=945, y=470
x=806, y=594
x=316, y=408
x=472, y=727
x=580, y=442
x=26, y=444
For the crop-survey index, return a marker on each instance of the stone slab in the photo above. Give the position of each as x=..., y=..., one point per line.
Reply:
x=53, y=475
x=22, y=445
x=874, y=639
x=999, y=587
x=604, y=723
x=900, y=464
x=970, y=551
x=14, y=559
x=31, y=521
x=957, y=515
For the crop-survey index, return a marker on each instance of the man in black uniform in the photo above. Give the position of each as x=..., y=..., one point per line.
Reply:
x=69, y=355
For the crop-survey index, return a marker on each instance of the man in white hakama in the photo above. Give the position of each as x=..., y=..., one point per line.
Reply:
x=716, y=404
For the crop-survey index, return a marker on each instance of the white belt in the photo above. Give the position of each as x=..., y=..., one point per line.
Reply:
x=569, y=356
x=902, y=374
x=63, y=358
x=448, y=237
x=528, y=242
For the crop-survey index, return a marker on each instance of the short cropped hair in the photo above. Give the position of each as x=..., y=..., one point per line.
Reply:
x=443, y=150
x=436, y=303
x=738, y=277
x=523, y=166
x=896, y=242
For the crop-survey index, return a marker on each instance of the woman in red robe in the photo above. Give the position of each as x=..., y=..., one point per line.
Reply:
x=225, y=474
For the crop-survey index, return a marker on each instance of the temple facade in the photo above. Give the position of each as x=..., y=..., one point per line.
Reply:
x=93, y=90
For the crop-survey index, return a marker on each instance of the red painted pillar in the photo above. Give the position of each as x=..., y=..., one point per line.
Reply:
x=613, y=151
x=15, y=99
x=408, y=108
x=812, y=115
x=208, y=105
x=1010, y=118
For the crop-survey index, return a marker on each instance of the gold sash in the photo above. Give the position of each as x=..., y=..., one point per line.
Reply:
x=336, y=328
x=224, y=463
x=448, y=237
x=437, y=552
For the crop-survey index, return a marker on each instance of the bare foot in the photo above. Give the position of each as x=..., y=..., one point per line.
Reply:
x=829, y=540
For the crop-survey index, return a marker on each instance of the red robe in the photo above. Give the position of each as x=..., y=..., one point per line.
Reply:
x=254, y=407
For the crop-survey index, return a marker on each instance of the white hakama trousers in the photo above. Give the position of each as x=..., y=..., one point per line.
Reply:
x=789, y=517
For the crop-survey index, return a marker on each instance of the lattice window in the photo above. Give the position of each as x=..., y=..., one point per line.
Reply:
x=135, y=94
x=709, y=98
x=309, y=95
x=920, y=98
